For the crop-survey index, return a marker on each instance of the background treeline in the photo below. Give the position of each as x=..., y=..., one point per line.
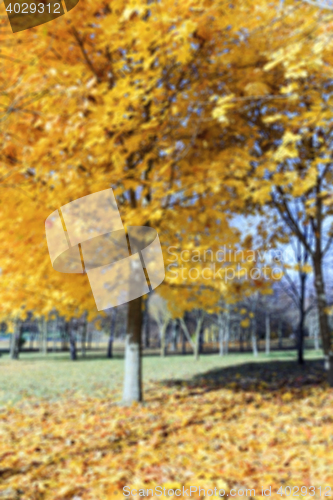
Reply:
x=259, y=323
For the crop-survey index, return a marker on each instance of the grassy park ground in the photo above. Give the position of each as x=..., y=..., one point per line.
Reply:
x=234, y=423
x=54, y=375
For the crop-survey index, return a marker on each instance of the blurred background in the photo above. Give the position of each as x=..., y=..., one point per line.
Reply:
x=211, y=121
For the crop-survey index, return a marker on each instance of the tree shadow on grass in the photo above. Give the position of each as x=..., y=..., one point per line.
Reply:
x=264, y=377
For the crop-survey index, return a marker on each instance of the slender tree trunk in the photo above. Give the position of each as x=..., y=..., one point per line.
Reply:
x=56, y=334
x=15, y=345
x=323, y=318
x=84, y=337
x=188, y=337
x=40, y=335
x=89, y=339
x=54, y=344
x=316, y=336
x=174, y=335
x=197, y=336
x=72, y=345
x=196, y=346
x=300, y=342
x=240, y=336
x=44, y=337
x=254, y=337
x=300, y=336
x=12, y=345
x=146, y=324
x=19, y=331
x=227, y=332
x=163, y=329
x=267, y=333
x=221, y=334
x=112, y=331
x=322, y=304
x=72, y=340
x=133, y=368
x=183, y=342
x=201, y=340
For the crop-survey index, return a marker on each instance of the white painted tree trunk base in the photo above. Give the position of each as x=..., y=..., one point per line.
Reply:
x=328, y=365
x=132, y=381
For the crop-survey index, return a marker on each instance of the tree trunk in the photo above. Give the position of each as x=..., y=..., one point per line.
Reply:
x=196, y=346
x=72, y=345
x=84, y=337
x=254, y=337
x=323, y=319
x=56, y=334
x=15, y=344
x=183, y=342
x=133, y=369
x=44, y=336
x=163, y=329
x=330, y=370
x=221, y=334
x=316, y=336
x=146, y=324
x=72, y=340
x=188, y=337
x=197, y=336
x=54, y=344
x=112, y=331
x=300, y=336
x=40, y=336
x=267, y=333
x=240, y=336
x=174, y=335
x=322, y=304
x=227, y=332
x=201, y=340
x=300, y=340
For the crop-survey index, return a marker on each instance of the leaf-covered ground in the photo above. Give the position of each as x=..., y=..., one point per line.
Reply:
x=251, y=426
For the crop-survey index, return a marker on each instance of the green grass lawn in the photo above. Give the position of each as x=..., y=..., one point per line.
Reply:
x=54, y=375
